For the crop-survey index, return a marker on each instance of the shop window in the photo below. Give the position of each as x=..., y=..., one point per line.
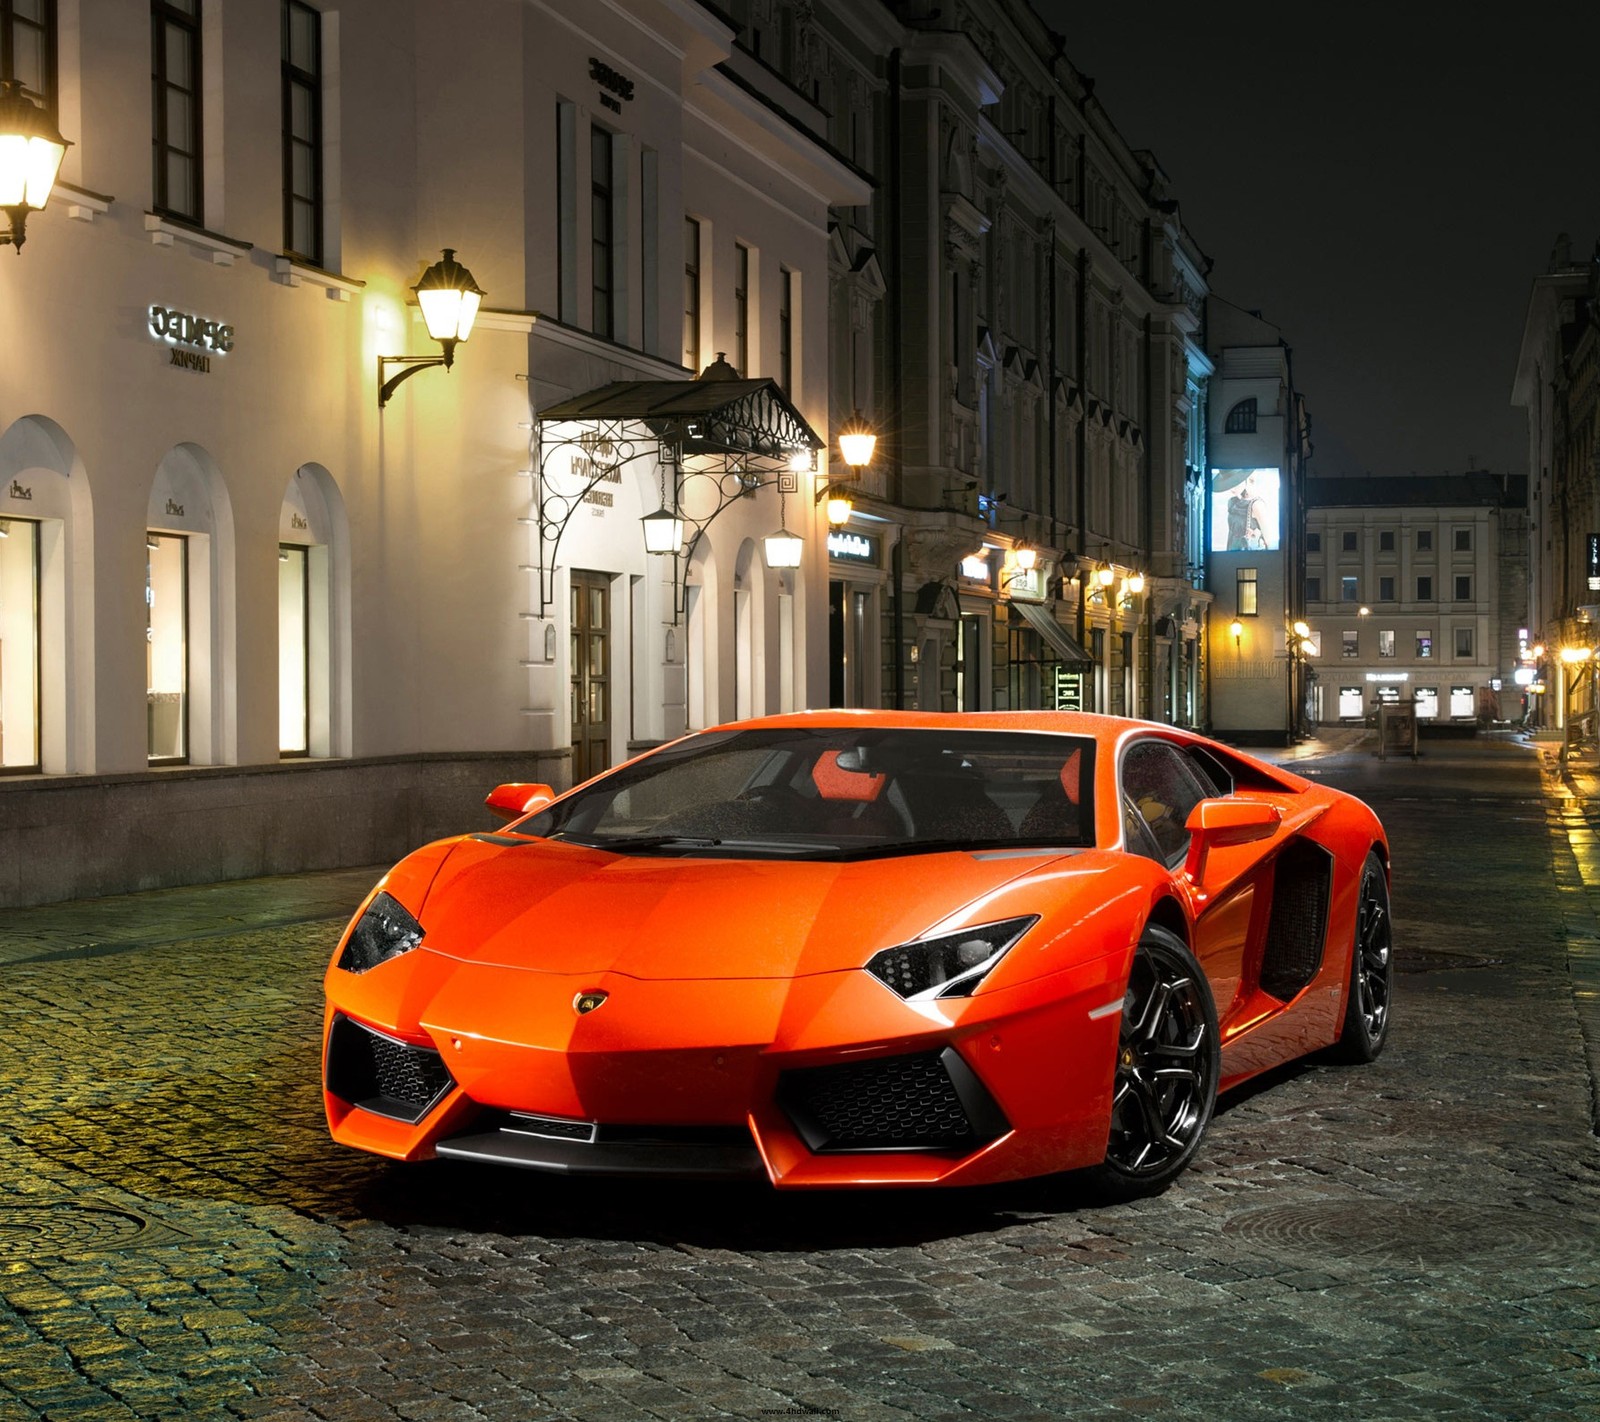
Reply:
x=691, y=294
x=1385, y=589
x=175, y=76
x=1464, y=587
x=1350, y=643
x=1352, y=703
x=19, y=644
x=294, y=651
x=1424, y=646
x=1386, y=642
x=166, y=599
x=1424, y=540
x=1245, y=587
x=1424, y=589
x=1463, y=704
x=28, y=46
x=1427, y=702
x=1464, y=643
x=302, y=132
x=1347, y=590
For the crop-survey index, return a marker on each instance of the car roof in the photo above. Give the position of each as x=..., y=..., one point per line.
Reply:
x=1076, y=723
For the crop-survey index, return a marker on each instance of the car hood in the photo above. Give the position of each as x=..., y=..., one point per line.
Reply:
x=562, y=908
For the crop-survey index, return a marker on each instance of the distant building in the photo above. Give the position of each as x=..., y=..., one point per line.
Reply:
x=1416, y=591
x=1558, y=384
x=1259, y=442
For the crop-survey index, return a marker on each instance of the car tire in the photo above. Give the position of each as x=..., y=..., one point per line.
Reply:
x=1169, y=1061
x=1366, y=1014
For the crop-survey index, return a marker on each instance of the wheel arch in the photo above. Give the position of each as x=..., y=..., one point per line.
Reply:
x=1167, y=913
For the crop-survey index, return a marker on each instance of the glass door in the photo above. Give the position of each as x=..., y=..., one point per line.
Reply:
x=591, y=674
x=166, y=599
x=19, y=644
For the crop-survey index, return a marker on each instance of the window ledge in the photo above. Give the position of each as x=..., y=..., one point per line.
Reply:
x=292, y=271
x=83, y=205
x=166, y=231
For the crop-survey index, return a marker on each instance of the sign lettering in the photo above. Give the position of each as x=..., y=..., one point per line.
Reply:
x=185, y=329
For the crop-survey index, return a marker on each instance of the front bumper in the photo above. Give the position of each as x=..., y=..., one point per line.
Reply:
x=815, y=1082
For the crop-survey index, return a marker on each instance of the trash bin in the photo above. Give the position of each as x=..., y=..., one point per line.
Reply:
x=1397, y=730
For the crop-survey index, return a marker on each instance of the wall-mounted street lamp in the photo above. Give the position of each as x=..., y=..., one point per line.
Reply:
x=1237, y=628
x=31, y=150
x=449, y=298
x=857, y=441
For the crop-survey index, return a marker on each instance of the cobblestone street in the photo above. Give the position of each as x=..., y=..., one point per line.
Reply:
x=1415, y=1239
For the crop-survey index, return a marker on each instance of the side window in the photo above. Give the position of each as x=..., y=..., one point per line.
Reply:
x=1160, y=783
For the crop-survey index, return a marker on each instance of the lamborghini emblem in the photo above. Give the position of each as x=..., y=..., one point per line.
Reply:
x=586, y=1002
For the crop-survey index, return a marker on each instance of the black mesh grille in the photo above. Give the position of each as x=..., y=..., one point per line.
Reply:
x=930, y=1101
x=1299, y=921
x=378, y=1073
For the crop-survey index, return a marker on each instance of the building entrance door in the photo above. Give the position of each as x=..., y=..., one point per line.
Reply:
x=591, y=674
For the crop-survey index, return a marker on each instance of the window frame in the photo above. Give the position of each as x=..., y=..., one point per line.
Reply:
x=164, y=16
x=602, y=231
x=1463, y=587
x=49, y=45
x=310, y=81
x=691, y=291
x=1247, y=580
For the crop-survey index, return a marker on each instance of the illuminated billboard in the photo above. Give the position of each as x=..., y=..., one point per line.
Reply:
x=1244, y=510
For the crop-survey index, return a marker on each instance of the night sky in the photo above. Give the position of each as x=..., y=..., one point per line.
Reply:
x=1383, y=185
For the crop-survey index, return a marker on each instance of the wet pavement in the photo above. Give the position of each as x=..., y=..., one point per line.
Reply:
x=1419, y=1238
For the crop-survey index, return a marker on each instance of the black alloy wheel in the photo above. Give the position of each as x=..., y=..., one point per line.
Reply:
x=1366, y=1016
x=1169, y=1061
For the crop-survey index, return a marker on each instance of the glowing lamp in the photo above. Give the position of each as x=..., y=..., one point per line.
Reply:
x=1237, y=628
x=449, y=298
x=1025, y=556
x=663, y=531
x=840, y=507
x=1301, y=630
x=857, y=442
x=1105, y=575
x=1133, y=584
x=31, y=150
x=782, y=549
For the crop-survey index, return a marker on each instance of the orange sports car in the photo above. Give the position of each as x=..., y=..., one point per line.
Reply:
x=864, y=948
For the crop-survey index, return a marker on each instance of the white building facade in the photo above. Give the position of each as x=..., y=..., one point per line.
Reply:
x=1416, y=588
x=249, y=620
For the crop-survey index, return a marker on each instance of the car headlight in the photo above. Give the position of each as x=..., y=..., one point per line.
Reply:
x=386, y=930
x=951, y=965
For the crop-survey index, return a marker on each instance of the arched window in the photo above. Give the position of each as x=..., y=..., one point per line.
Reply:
x=1242, y=418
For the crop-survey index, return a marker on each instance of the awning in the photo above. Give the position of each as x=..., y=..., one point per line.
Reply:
x=1054, y=633
x=714, y=414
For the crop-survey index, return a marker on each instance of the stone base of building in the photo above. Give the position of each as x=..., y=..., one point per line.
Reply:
x=83, y=836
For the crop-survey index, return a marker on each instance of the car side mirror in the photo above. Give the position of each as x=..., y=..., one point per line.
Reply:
x=1213, y=824
x=513, y=801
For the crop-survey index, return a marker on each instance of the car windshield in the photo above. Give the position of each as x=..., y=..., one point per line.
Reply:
x=836, y=793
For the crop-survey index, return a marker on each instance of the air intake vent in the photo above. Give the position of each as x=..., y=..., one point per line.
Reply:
x=931, y=1101
x=382, y=1074
x=1299, y=922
